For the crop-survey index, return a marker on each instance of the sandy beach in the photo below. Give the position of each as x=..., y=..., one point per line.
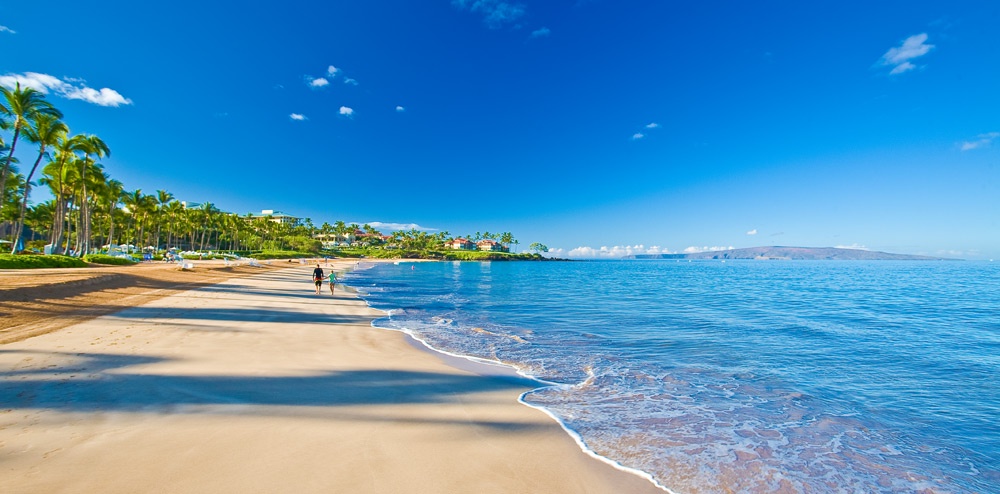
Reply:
x=256, y=384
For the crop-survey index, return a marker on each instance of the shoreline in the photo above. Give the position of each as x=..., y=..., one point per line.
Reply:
x=258, y=382
x=485, y=367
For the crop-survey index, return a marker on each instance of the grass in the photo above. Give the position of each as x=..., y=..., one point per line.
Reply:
x=31, y=261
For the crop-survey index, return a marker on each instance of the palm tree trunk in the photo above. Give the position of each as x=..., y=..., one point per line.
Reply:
x=6, y=166
x=19, y=226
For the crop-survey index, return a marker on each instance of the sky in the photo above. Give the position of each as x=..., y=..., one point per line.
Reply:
x=597, y=128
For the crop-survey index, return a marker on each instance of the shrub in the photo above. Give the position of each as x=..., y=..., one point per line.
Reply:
x=106, y=259
x=29, y=261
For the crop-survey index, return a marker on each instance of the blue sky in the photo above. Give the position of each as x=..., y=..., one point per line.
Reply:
x=635, y=126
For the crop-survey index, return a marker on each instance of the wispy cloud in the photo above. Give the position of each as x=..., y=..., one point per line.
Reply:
x=400, y=109
x=694, y=249
x=347, y=111
x=637, y=136
x=5, y=29
x=332, y=71
x=605, y=252
x=652, y=125
x=350, y=81
x=317, y=81
x=854, y=246
x=46, y=84
x=540, y=33
x=982, y=140
x=496, y=13
x=298, y=116
x=752, y=232
x=899, y=58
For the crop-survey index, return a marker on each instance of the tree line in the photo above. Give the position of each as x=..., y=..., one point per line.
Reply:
x=90, y=210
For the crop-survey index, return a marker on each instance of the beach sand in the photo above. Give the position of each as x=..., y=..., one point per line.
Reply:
x=256, y=384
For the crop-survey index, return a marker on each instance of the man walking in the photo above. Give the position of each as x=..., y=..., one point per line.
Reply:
x=318, y=277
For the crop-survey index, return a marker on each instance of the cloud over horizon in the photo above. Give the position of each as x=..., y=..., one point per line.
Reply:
x=694, y=249
x=70, y=88
x=614, y=252
x=899, y=57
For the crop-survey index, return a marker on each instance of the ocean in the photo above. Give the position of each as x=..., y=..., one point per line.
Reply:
x=738, y=376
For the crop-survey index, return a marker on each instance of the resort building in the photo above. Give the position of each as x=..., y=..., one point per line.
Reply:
x=277, y=217
x=491, y=245
x=461, y=244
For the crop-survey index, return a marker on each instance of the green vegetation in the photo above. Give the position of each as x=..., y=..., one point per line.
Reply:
x=90, y=209
x=440, y=254
x=282, y=254
x=106, y=259
x=30, y=261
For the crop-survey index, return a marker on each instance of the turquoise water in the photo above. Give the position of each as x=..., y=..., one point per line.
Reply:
x=750, y=376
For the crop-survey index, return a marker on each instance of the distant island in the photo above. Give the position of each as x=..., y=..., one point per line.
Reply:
x=793, y=254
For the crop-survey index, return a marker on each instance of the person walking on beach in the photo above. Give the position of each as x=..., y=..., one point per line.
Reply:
x=318, y=277
x=333, y=280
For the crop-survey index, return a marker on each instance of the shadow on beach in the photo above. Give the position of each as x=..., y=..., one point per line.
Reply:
x=94, y=382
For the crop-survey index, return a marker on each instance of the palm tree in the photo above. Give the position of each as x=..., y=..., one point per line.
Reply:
x=60, y=178
x=23, y=106
x=133, y=203
x=89, y=145
x=174, y=210
x=46, y=130
x=162, y=199
x=113, y=194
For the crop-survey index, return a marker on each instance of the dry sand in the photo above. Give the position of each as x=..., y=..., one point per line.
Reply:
x=256, y=384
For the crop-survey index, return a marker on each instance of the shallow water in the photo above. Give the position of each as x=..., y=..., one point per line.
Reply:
x=752, y=376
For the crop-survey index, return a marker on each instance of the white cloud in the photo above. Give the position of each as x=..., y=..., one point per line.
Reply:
x=385, y=227
x=982, y=140
x=752, y=232
x=637, y=136
x=46, y=84
x=332, y=71
x=538, y=33
x=298, y=116
x=350, y=81
x=903, y=67
x=694, y=249
x=5, y=29
x=318, y=82
x=346, y=111
x=400, y=109
x=854, y=246
x=495, y=13
x=614, y=252
x=911, y=48
x=652, y=125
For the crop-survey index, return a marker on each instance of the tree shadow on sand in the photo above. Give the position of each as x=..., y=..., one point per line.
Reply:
x=95, y=382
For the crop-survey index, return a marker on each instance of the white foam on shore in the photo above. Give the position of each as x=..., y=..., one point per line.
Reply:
x=486, y=367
